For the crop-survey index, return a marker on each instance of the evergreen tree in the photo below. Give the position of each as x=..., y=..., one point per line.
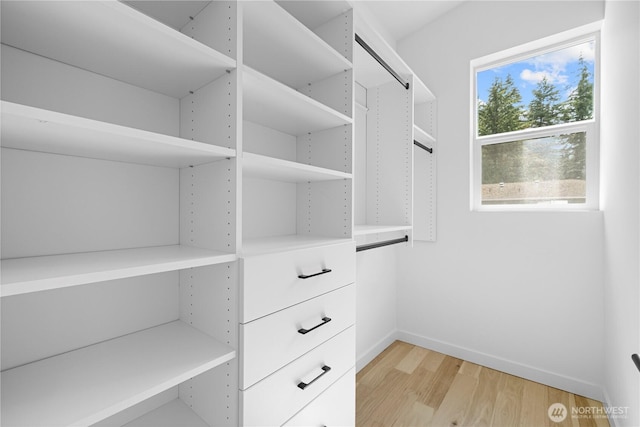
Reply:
x=579, y=106
x=544, y=109
x=580, y=102
x=501, y=112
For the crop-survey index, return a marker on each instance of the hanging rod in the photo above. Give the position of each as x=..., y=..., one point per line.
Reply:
x=381, y=244
x=381, y=61
x=424, y=147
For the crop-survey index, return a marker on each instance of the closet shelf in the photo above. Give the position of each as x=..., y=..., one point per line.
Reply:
x=274, y=105
x=264, y=245
x=422, y=136
x=363, y=230
x=35, y=129
x=172, y=414
x=293, y=55
x=314, y=14
x=259, y=166
x=34, y=274
x=421, y=92
x=90, y=384
x=115, y=40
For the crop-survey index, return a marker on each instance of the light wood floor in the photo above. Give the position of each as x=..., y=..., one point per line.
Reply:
x=408, y=385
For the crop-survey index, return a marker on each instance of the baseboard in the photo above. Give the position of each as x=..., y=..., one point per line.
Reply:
x=375, y=350
x=613, y=422
x=562, y=382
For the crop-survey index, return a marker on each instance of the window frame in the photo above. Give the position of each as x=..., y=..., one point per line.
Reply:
x=590, y=127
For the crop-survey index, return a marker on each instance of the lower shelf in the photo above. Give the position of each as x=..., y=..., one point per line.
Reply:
x=174, y=413
x=87, y=385
x=363, y=230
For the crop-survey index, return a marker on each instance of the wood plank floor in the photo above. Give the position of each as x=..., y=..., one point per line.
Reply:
x=408, y=385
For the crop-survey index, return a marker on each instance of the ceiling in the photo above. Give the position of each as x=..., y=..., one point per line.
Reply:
x=404, y=17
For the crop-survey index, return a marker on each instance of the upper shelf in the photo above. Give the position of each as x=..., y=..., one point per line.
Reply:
x=315, y=13
x=369, y=73
x=421, y=92
x=113, y=39
x=35, y=129
x=258, y=166
x=34, y=274
x=87, y=385
x=274, y=105
x=280, y=46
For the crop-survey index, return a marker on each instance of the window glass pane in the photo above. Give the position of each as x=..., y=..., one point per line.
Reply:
x=541, y=170
x=552, y=88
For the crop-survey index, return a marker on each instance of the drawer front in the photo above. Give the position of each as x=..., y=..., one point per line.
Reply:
x=333, y=408
x=271, y=282
x=275, y=399
x=271, y=342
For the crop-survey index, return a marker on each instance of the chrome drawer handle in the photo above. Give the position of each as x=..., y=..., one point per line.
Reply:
x=304, y=385
x=324, y=271
x=325, y=320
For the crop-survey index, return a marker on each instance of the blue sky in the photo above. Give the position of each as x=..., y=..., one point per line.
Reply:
x=559, y=67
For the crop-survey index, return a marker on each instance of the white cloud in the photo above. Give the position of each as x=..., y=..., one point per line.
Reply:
x=554, y=76
x=553, y=65
x=560, y=58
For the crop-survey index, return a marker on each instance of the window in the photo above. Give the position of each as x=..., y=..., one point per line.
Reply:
x=534, y=136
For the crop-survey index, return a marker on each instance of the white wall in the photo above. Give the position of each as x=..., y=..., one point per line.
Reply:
x=520, y=292
x=620, y=190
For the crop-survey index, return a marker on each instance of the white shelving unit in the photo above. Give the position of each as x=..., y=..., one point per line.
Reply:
x=143, y=159
x=395, y=187
x=119, y=173
x=297, y=132
x=297, y=174
x=384, y=141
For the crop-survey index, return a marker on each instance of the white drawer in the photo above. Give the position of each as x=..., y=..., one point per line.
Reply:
x=272, y=282
x=336, y=407
x=275, y=399
x=271, y=342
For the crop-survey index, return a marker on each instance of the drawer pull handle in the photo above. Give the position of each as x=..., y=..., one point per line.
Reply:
x=325, y=320
x=304, y=385
x=324, y=271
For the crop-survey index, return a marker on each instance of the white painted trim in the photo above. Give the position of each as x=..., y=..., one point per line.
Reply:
x=375, y=350
x=606, y=401
x=562, y=382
